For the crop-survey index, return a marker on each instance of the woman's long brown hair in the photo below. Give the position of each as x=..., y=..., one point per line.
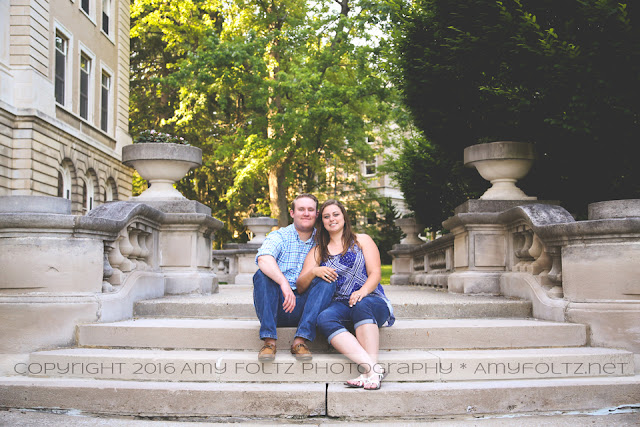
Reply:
x=322, y=235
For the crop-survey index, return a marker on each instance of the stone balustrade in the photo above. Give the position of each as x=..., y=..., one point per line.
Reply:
x=577, y=271
x=59, y=270
x=427, y=263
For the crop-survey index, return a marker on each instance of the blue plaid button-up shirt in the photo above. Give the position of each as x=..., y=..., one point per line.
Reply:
x=288, y=250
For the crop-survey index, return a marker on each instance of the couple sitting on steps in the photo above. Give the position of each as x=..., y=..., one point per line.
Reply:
x=317, y=273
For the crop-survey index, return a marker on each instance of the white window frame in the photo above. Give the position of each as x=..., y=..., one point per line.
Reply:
x=110, y=15
x=68, y=71
x=91, y=89
x=92, y=10
x=110, y=103
x=367, y=164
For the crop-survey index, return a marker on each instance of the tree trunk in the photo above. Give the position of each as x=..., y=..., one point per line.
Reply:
x=278, y=195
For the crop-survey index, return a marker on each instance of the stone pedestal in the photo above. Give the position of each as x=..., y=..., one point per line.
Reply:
x=245, y=254
x=401, y=264
x=185, y=246
x=480, y=245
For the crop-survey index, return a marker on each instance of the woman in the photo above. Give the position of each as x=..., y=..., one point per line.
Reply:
x=352, y=261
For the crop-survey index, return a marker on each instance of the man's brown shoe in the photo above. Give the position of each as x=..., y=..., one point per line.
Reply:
x=301, y=352
x=267, y=353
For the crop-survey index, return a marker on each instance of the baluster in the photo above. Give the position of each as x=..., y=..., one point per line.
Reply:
x=523, y=252
x=135, y=251
x=116, y=260
x=125, y=249
x=149, y=245
x=107, y=270
x=144, y=251
x=555, y=275
x=542, y=263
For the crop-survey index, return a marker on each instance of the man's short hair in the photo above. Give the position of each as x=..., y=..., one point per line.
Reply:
x=303, y=195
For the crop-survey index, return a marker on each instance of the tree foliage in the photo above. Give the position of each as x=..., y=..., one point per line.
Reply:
x=272, y=91
x=384, y=232
x=562, y=74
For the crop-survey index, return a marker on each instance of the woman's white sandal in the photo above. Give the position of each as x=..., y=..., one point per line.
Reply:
x=375, y=379
x=357, y=382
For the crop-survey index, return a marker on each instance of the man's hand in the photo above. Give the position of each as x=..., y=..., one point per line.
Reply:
x=289, y=298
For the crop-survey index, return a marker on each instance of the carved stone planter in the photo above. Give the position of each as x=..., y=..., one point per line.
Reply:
x=161, y=164
x=260, y=226
x=502, y=163
x=411, y=228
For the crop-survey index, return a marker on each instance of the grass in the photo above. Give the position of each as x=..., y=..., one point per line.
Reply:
x=386, y=274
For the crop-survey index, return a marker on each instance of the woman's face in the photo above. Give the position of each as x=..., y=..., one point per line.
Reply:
x=332, y=218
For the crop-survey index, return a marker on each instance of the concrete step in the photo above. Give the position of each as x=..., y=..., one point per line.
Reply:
x=624, y=416
x=402, y=366
x=236, y=301
x=204, y=399
x=418, y=334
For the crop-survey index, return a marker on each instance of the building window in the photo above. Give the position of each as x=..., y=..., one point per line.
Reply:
x=84, y=5
x=106, y=13
x=85, y=74
x=87, y=194
x=64, y=183
x=372, y=218
x=104, y=101
x=62, y=49
x=370, y=168
x=111, y=191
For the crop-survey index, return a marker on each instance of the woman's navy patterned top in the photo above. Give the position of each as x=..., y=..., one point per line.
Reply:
x=352, y=274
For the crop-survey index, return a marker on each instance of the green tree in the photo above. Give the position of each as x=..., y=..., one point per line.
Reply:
x=384, y=230
x=564, y=75
x=271, y=91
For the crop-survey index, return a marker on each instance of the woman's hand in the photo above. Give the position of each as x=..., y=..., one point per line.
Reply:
x=325, y=273
x=357, y=296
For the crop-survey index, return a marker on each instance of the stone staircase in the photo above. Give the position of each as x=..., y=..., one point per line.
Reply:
x=447, y=354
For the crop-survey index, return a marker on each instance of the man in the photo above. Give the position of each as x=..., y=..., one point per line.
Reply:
x=276, y=299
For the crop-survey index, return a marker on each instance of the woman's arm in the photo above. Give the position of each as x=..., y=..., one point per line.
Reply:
x=373, y=265
x=312, y=269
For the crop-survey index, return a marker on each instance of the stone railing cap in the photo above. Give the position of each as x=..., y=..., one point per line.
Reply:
x=35, y=204
x=614, y=209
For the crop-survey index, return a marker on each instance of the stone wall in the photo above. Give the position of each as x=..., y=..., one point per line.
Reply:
x=34, y=148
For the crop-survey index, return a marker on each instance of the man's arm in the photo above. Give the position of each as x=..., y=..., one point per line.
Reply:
x=270, y=268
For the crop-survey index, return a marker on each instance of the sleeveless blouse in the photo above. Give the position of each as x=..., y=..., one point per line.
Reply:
x=352, y=274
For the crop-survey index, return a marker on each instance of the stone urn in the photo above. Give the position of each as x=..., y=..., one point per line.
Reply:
x=503, y=164
x=161, y=164
x=411, y=228
x=259, y=226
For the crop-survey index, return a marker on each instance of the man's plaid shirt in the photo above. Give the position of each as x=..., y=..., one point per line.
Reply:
x=289, y=251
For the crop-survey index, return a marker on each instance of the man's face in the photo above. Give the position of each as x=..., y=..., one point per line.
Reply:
x=304, y=214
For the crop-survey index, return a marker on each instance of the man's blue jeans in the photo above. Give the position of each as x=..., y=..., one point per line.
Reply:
x=268, y=300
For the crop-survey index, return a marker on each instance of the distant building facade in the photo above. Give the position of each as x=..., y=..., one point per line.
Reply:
x=64, y=100
x=381, y=182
